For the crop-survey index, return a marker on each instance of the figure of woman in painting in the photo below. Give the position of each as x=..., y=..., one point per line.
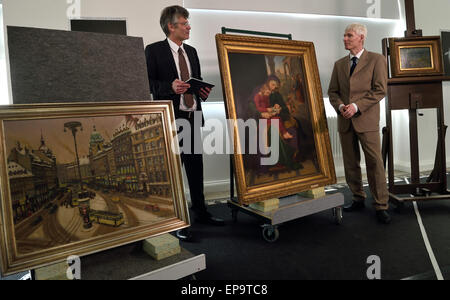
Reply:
x=270, y=104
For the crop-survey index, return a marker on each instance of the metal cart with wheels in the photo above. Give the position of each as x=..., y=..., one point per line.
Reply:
x=291, y=208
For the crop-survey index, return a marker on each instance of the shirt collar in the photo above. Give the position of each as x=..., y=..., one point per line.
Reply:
x=174, y=46
x=358, y=56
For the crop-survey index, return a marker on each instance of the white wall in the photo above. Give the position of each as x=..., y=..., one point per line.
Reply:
x=142, y=15
x=431, y=18
x=350, y=8
x=38, y=13
x=4, y=97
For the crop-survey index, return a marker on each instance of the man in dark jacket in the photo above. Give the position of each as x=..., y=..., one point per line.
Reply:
x=170, y=63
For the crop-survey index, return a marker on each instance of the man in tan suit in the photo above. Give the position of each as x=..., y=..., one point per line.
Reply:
x=358, y=84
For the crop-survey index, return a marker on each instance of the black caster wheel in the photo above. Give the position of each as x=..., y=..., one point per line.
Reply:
x=270, y=233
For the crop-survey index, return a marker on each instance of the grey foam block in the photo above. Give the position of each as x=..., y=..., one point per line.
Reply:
x=52, y=66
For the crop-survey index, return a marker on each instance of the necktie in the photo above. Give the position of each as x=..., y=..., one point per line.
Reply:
x=184, y=72
x=352, y=69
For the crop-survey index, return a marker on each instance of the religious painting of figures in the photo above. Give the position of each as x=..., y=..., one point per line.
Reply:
x=272, y=86
x=80, y=178
x=416, y=56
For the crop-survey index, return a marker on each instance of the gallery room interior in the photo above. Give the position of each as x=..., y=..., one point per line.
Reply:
x=94, y=100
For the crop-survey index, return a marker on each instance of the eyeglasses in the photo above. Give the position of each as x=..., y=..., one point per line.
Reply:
x=185, y=24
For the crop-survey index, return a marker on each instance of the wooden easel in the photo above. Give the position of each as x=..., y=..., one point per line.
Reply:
x=415, y=93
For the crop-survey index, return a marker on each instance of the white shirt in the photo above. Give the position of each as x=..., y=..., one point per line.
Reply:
x=358, y=56
x=174, y=47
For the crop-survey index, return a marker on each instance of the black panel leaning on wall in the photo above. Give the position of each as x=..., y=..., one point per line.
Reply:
x=99, y=26
x=53, y=66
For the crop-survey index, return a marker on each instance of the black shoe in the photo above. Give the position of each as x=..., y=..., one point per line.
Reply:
x=184, y=235
x=354, y=206
x=210, y=220
x=383, y=217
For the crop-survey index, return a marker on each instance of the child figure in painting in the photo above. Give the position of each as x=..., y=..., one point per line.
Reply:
x=270, y=103
x=268, y=111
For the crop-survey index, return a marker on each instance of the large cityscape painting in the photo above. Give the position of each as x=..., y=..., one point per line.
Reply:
x=75, y=179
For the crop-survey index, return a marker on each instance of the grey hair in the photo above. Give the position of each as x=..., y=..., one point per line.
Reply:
x=169, y=15
x=359, y=29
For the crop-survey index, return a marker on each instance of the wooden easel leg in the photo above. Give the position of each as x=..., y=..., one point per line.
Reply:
x=414, y=145
x=398, y=203
x=435, y=174
x=231, y=178
x=385, y=146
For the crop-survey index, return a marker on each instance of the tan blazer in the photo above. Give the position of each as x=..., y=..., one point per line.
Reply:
x=367, y=87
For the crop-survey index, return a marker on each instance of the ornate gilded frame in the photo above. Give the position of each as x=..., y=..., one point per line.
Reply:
x=12, y=261
x=431, y=45
x=227, y=44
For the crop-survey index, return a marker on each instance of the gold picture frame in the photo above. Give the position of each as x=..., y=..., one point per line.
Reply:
x=416, y=56
x=79, y=178
x=256, y=73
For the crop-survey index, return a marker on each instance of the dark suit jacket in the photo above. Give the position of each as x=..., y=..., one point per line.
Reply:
x=162, y=71
x=366, y=88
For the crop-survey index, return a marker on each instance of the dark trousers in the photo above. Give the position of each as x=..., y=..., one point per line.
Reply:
x=193, y=164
